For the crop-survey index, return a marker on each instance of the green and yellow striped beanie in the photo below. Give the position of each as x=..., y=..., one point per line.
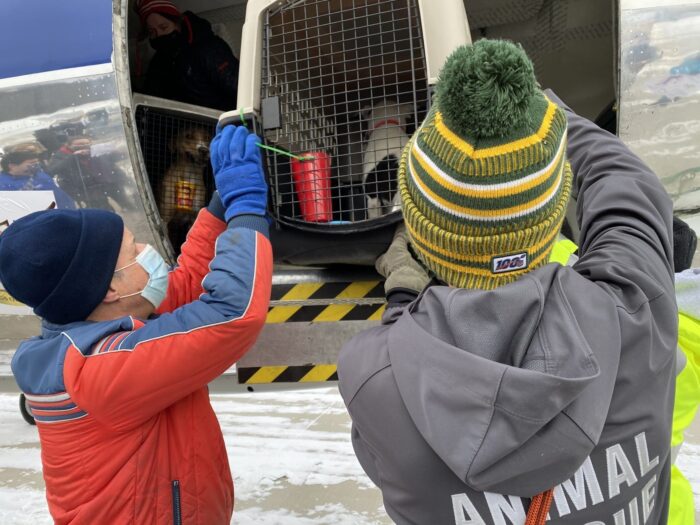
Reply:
x=484, y=182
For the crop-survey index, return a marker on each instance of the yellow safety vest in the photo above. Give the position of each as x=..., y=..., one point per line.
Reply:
x=682, y=504
x=562, y=251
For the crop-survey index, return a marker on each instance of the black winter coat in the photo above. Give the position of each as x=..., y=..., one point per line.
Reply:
x=203, y=72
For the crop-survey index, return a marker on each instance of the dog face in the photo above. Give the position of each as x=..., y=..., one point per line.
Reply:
x=183, y=188
x=192, y=145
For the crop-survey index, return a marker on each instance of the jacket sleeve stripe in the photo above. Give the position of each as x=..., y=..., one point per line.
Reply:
x=116, y=344
x=109, y=341
x=52, y=408
x=52, y=413
x=59, y=418
x=47, y=398
x=97, y=347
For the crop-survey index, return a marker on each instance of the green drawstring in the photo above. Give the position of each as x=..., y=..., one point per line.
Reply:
x=283, y=152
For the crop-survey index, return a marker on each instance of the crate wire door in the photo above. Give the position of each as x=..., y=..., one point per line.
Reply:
x=175, y=148
x=349, y=79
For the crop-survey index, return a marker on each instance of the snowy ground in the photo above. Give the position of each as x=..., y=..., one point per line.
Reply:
x=290, y=455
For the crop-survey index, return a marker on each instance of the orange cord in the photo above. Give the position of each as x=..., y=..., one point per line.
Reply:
x=539, y=508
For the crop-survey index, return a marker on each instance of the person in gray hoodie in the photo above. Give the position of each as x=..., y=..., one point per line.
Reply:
x=518, y=389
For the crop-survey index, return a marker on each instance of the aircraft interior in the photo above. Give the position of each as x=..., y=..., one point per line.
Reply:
x=333, y=74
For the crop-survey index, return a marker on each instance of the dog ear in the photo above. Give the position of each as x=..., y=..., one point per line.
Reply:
x=410, y=124
x=203, y=134
x=409, y=117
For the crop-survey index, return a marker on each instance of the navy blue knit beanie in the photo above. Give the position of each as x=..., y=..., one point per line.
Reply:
x=61, y=262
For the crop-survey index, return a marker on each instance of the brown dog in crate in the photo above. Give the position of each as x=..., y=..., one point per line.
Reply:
x=183, y=189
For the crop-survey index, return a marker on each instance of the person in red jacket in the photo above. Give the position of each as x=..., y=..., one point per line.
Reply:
x=117, y=380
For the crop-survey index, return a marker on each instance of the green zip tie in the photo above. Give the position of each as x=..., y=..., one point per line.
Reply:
x=276, y=150
x=283, y=152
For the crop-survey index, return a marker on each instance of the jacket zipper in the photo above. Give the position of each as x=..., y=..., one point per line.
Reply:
x=177, y=516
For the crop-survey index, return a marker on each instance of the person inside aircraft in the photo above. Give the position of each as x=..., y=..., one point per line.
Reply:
x=516, y=386
x=89, y=179
x=23, y=170
x=117, y=380
x=191, y=64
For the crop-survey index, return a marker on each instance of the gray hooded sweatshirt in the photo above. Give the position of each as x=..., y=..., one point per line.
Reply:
x=467, y=403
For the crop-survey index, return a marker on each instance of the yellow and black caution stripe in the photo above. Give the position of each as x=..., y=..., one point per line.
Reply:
x=287, y=374
x=326, y=302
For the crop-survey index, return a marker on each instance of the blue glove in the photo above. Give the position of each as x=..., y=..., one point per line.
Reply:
x=238, y=172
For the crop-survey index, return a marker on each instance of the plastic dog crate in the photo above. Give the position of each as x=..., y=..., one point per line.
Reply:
x=341, y=85
x=174, y=141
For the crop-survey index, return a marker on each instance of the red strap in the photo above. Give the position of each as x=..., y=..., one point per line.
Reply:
x=386, y=123
x=539, y=508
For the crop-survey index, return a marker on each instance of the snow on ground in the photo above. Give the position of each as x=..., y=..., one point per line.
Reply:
x=290, y=454
x=688, y=462
x=292, y=460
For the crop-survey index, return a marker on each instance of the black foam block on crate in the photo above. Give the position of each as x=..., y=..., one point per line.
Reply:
x=271, y=115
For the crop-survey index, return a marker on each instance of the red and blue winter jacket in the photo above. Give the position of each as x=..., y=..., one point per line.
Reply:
x=128, y=434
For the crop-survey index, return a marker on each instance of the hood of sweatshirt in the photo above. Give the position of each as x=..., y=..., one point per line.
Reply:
x=503, y=384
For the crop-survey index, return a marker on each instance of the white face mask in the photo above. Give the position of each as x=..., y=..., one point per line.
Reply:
x=157, y=286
